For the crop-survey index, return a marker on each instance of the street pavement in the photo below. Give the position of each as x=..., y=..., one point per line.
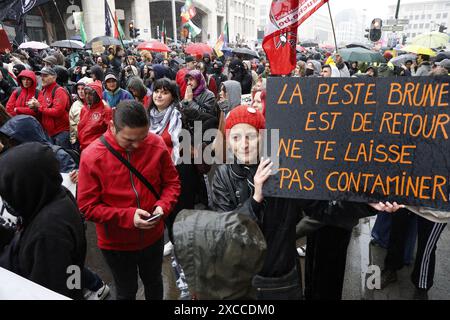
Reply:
x=361, y=254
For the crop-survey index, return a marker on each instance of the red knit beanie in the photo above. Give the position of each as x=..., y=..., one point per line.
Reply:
x=245, y=114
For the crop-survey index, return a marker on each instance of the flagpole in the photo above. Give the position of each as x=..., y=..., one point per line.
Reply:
x=120, y=36
x=174, y=22
x=332, y=26
x=62, y=20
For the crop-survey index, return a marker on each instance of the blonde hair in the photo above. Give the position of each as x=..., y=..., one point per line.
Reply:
x=146, y=56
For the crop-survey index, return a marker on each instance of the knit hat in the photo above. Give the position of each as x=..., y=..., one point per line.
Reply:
x=245, y=114
x=387, y=55
x=189, y=59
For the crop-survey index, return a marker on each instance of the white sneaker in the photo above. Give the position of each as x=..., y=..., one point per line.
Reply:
x=100, y=294
x=168, y=248
x=302, y=250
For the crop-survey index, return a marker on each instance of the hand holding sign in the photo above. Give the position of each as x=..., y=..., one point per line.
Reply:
x=387, y=206
x=261, y=176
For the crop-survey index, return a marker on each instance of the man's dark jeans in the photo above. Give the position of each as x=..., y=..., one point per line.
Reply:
x=125, y=266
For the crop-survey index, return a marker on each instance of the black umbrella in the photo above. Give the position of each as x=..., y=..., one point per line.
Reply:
x=73, y=44
x=106, y=41
x=246, y=53
x=357, y=45
x=309, y=43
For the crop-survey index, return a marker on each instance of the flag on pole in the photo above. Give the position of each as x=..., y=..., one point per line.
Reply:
x=107, y=20
x=82, y=30
x=118, y=31
x=163, y=33
x=221, y=42
x=281, y=33
x=188, y=11
x=193, y=29
x=15, y=10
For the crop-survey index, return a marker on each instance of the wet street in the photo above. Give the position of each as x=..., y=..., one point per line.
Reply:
x=361, y=254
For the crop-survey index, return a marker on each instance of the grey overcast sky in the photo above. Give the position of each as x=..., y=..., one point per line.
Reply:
x=377, y=8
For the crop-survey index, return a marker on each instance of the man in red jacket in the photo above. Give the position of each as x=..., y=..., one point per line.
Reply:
x=120, y=204
x=18, y=101
x=52, y=106
x=94, y=117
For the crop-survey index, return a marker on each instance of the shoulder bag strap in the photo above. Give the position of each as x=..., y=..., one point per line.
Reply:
x=129, y=166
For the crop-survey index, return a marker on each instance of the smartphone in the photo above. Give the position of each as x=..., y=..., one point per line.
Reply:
x=156, y=216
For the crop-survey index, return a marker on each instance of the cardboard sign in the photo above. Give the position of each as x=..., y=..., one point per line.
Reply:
x=361, y=139
x=4, y=41
x=97, y=47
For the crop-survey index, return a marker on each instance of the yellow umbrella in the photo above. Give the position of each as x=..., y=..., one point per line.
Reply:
x=419, y=50
x=433, y=39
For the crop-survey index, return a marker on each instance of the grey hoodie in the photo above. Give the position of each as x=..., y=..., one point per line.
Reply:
x=234, y=92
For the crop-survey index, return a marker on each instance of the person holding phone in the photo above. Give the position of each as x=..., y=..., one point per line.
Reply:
x=129, y=216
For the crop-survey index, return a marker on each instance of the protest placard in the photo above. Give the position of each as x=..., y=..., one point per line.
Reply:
x=361, y=139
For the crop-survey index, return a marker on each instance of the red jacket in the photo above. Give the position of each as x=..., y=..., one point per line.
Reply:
x=17, y=104
x=94, y=120
x=54, y=112
x=181, y=81
x=106, y=191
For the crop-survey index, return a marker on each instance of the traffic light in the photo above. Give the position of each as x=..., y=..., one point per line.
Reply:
x=367, y=34
x=131, y=28
x=404, y=38
x=136, y=32
x=442, y=28
x=375, y=29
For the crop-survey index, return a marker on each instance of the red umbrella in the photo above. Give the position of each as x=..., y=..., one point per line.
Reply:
x=198, y=48
x=153, y=45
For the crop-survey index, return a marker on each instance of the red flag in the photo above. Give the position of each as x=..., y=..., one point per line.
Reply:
x=281, y=34
x=116, y=23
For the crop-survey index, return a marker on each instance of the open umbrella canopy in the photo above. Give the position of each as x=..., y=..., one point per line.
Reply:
x=33, y=45
x=433, y=39
x=106, y=41
x=300, y=49
x=419, y=50
x=357, y=45
x=153, y=45
x=309, y=43
x=246, y=53
x=73, y=44
x=361, y=55
x=398, y=61
x=198, y=48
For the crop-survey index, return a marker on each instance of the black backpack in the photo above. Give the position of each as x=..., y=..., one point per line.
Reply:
x=19, y=90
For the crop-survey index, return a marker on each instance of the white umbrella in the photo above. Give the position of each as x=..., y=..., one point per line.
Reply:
x=33, y=45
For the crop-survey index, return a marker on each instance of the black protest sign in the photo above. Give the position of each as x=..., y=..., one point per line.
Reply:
x=361, y=139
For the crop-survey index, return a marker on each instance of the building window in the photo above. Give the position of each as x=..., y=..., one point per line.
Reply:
x=444, y=15
x=429, y=16
x=421, y=26
x=438, y=16
x=413, y=35
x=415, y=26
x=416, y=17
x=427, y=25
x=423, y=17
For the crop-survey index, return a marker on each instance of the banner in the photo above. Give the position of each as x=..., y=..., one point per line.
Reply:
x=280, y=37
x=14, y=10
x=361, y=139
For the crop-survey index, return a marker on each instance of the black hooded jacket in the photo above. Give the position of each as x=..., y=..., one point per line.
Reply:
x=52, y=231
x=241, y=75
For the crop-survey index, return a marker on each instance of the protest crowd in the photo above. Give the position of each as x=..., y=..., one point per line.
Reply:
x=122, y=125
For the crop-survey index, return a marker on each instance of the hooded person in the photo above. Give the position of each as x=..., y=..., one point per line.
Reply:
x=217, y=69
x=51, y=235
x=161, y=71
x=140, y=92
x=208, y=63
x=75, y=109
x=313, y=68
x=18, y=68
x=24, y=128
x=241, y=75
x=229, y=96
x=220, y=253
x=197, y=96
x=17, y=103
x=94, y=117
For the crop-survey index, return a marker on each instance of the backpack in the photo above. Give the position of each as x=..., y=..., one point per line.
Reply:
x=68, y=94
x=19, y=90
